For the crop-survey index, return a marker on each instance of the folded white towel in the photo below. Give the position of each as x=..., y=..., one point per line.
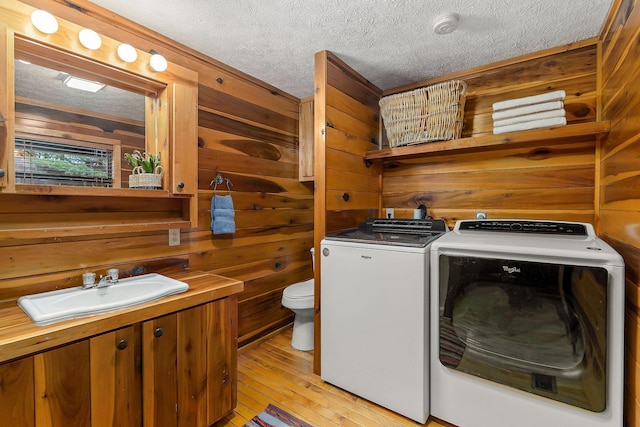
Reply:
x=558, y=95
x=544, y=123
x=530, y=117
x=527, y=109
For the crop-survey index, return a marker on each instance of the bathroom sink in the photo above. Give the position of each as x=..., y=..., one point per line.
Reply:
x=50, y=307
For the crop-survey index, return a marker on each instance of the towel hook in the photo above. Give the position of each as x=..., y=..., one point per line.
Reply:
x=219, y=180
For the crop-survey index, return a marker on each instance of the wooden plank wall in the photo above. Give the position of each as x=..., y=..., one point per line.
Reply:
x=544, y=181
x=346, y=126
x=248, y=132
x=255, y=146
x=619, y=191
x=349, y=117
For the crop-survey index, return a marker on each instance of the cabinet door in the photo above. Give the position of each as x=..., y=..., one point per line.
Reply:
x=192, y=363
x=16, y=393
x=207, y=354
x=116, y=379
x=62, y=386
x=184, y=138
x=189, y=361
x=222, y=325
x=305, y=140
x=160, y=391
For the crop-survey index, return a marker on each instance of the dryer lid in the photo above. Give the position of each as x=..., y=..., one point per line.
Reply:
x=396, y=231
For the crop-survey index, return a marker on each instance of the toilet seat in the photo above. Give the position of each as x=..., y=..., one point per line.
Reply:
x=299, y=295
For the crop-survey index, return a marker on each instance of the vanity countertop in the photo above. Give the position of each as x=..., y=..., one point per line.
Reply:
x=20, y=336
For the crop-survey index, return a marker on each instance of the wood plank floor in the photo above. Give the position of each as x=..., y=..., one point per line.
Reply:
x=274, y=372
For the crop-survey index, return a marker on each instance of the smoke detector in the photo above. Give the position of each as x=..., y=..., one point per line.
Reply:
x=445, y=24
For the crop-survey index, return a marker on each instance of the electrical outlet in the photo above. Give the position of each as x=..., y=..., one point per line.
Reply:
x=389, y=213
x=174, y=237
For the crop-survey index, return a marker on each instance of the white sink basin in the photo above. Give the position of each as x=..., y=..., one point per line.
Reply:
x=64, y=304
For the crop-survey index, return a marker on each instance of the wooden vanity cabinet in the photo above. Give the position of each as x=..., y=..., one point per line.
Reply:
x=175, y=370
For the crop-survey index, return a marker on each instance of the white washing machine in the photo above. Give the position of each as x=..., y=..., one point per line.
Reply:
x=374, y=305
x=527, y=321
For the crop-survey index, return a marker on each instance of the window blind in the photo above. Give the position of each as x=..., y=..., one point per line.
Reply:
x=53, y=163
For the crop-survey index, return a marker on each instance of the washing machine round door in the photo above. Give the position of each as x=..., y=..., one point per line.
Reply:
x=534, y=326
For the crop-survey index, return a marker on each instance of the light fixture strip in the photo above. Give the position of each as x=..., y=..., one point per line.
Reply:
x=46, y=23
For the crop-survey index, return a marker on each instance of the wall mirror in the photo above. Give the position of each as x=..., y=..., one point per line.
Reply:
x=75, y=119
x=71, y=131
x=155, y=112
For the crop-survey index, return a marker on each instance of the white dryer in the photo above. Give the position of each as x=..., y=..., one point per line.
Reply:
x=527, y=322
x=374, y=303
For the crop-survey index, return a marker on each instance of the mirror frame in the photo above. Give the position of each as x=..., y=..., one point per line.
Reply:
x=171, y=107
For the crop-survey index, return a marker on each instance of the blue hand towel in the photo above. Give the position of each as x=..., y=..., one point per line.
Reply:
x=222, y=202
x=222, y=215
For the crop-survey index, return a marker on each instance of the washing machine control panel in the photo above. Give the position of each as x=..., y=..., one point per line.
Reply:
x=524, y=226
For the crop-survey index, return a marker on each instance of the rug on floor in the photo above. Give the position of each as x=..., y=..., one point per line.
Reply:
x=273, y=416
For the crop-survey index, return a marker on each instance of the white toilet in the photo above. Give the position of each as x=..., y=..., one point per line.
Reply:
x=299, y=299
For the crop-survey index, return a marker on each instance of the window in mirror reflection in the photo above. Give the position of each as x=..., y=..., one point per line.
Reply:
x=69, y=136
x=41, y=162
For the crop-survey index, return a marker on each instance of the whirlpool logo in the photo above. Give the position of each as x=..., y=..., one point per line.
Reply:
x=510, y=270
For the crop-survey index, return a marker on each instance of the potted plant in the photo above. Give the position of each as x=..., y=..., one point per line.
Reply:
x=146, y=170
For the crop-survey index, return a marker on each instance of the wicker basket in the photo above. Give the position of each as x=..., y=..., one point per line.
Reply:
x=432, y=113
x=142, y=179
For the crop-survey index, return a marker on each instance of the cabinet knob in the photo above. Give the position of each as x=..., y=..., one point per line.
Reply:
x=122, y=344
x=158, y=332
x=1, y=173
x=181, y=185
x=345, y=197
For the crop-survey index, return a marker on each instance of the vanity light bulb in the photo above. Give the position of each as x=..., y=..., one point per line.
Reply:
x=44, y=21
x=127, y=53
x=158, y=63
x=90, y=39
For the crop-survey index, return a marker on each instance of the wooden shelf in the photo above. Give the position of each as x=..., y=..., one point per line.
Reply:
x=52, y=190
x=505, y=140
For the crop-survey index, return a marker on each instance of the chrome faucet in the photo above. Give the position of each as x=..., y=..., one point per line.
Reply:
x=109, y=279
x=89, y=279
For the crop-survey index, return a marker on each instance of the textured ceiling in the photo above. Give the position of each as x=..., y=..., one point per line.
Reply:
x=389, y=42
